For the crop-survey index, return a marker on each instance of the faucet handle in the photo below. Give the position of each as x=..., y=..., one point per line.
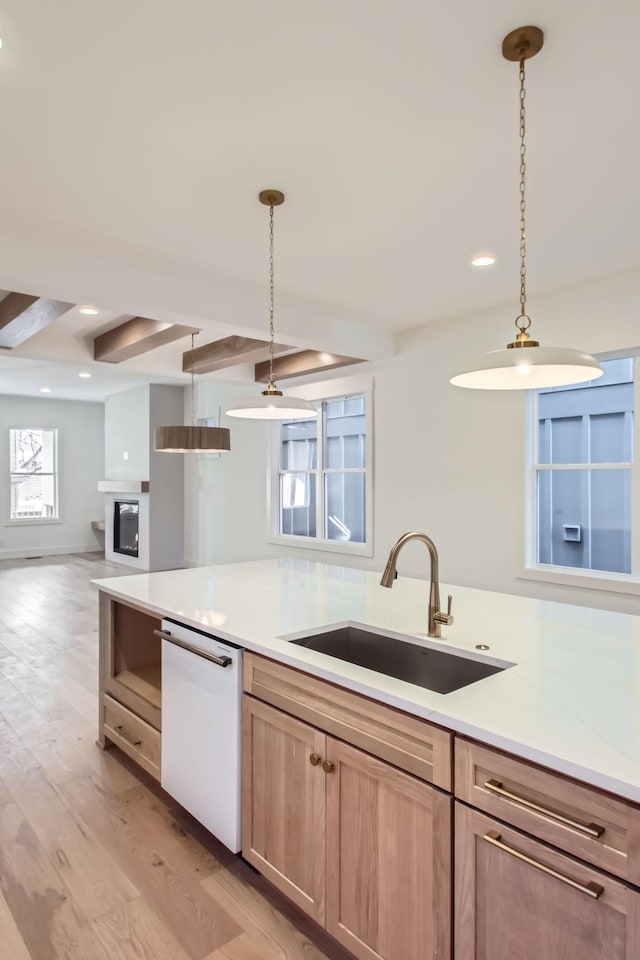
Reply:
x=445, y=618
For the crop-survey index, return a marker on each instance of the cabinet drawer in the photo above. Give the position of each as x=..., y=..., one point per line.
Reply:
x=582, y=820
x=405, y=741
x=517, y=897
x=132, y=734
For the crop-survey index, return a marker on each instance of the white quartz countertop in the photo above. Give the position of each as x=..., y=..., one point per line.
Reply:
x=571, y=702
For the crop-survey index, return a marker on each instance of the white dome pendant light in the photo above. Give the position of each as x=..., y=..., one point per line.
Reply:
x=524, y=364
x=272, y=404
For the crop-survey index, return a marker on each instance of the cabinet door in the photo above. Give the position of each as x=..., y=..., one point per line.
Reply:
x=388, y=860
x=515, y=897
x=283, y=806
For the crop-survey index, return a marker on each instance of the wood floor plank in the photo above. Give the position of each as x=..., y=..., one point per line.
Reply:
x=154, y=821
x=49, y=921
x=64, y=756
x=276, y=936
x=12, y=946
x=93, y=878
x=242, y=948
x=204, y=925
x=135, y=930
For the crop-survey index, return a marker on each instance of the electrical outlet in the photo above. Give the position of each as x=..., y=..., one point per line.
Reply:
x=125, y=454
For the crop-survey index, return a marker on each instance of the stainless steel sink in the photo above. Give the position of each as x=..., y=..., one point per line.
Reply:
x=425, y=666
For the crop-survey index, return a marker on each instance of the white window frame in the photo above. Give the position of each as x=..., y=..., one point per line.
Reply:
x=627, y=583
x=36, y=521
x=318, y=393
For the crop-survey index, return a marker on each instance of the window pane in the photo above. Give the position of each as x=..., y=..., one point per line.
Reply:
x=345, y=507
x=354, y=406
x=346, y=435
x=31, y=451
x=298, y=504
x=334, y=408
x=563, y=440
x=299, y=445
x=611, y=438
x=588, y=423
x=33, y=496
x=584, y=519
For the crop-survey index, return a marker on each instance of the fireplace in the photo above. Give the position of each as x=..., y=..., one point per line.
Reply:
x=126, y=533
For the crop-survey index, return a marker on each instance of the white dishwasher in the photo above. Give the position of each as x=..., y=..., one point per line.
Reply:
x=201, y=728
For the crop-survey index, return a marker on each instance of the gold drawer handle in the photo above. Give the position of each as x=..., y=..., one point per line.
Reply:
x=592, y=889
x=327, y=766
x=589, y=829
x=122, y=732
x=315, y=759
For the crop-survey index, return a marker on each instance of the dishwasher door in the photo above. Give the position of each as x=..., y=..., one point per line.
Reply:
x=201, y=728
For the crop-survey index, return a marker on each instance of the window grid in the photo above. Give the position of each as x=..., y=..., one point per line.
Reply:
x=589, y=470
x=318, y=532
x=32, y=498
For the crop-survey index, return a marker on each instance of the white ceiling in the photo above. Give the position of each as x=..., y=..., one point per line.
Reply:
x=137, y=135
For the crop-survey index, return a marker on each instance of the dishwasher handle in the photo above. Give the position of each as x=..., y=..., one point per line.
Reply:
x=220, y=661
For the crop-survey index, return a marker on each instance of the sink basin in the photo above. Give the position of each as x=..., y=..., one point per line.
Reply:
x=434, y=669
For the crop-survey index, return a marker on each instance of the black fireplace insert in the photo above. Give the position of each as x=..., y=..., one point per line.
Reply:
x=125, y=527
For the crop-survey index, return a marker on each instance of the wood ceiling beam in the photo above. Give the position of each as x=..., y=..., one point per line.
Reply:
x=137, y=336
x=22, y=316
x=227, y=352
x=304, y=362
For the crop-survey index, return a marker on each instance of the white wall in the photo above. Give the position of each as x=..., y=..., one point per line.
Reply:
x=80, y=464
x=130, y=421
x=225, y=515
x=449, y=462
x=127, y=433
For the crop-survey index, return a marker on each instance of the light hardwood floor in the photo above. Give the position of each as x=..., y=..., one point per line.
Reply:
x=96, y=862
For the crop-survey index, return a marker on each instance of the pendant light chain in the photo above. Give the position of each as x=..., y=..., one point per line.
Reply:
x=272, y=404
x=524, y=364
x=523, y=322
x=193, y=398
x=271, y=297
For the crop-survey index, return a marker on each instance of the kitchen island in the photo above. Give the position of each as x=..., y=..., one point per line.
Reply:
x=405, y=822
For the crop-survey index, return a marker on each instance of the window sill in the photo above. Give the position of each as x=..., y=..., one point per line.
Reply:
x=324, y=546
x=587, y=580
x=33, y=521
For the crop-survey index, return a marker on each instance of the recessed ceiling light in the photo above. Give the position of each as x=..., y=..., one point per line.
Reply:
x=89, y=311
x=45, y=389
x=0, y=43
x=483, y=260
x=85, y=375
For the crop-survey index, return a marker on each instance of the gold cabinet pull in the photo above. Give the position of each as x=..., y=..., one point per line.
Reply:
x=123, y=734
x=592, y=889
x=589, y=829
x=327, y=766
x=315, y=759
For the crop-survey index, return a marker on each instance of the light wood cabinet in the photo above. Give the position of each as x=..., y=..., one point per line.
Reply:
x=135, y=736
x=388, y=859
x=517, y=897
x=413, y=744
x=130, y=691
x=130, y=658
x=576, y=818
x=283, y=808
x=362, y=847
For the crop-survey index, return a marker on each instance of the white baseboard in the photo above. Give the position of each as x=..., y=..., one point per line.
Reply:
x=23, y=553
